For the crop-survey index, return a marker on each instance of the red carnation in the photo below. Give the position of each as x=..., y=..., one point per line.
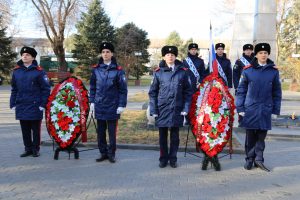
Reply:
x=77, y=129
x=71, y=104
x=60, y=115
x=215, y=109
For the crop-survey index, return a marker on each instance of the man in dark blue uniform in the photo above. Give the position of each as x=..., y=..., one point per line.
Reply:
x=29, y=96
x=108, y=97
x=195, y=65
x=170, y=97
x=225, y=72
x=258, y=97
x=240, y=63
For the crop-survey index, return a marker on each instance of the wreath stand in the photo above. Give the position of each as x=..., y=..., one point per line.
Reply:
x=73, y=148
x=230, y=151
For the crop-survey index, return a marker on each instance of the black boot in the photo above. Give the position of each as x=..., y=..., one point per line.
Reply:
x=205, y=162
x=216, y=163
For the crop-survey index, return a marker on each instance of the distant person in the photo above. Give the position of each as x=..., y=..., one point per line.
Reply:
x=170, y=97
x=108, y=97
x=258, y=97
x=29, y=96
x=195, y=65
x=225, y=71
x=242, y=62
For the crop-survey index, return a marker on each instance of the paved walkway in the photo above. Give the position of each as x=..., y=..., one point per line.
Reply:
x=136, y=174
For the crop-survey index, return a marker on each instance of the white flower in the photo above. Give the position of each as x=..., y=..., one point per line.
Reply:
x=71, y=128
x=75, y=119
x=207, y=109
x=54, y=118
x=214, y=123
x=227, y=127
x=56, y=126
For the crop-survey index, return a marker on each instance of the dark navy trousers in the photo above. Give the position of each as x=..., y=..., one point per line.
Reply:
x=31, y=132
x=255, y=144
x=111, y=125
x=166, y=155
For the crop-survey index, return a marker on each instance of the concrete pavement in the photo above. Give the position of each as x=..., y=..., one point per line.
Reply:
x=136, y=174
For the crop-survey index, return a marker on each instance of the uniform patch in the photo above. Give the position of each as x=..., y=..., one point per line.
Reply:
x=46, y=78
x=123, y=77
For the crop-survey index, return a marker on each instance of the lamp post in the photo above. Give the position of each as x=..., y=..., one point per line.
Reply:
x=137, y=55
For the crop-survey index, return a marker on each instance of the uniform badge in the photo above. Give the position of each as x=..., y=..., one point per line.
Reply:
x=46, y=78
x=123, y=78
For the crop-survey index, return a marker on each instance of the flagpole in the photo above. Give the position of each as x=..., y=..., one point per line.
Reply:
x=210, y=48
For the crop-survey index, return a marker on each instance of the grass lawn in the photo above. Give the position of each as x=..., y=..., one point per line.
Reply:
x=144, y=82
x=139, y=97
x=285, y=86
x=132, y=129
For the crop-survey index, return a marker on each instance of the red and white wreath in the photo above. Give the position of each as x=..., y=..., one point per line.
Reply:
x=67, y=111
x=211, y=115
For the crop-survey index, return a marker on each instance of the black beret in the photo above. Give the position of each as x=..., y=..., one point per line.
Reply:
x=28, y=50
x=169, y=49
x=247, y=46
x=262, y=47
x=219, y=45
x=107, y=45
x=193, y=45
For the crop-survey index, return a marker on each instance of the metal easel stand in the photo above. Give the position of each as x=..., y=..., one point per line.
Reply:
x=73, y=148
x=198, y=148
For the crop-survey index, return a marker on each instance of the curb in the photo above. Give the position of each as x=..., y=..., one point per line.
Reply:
x=270, y=136
x=94, y=145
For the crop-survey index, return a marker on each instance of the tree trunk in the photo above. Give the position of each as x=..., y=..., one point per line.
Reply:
x=59, y=51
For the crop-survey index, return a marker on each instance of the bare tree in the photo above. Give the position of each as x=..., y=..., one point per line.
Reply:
x=283, y=6
x=223, y=9
x=56, y=15
x=5, y=12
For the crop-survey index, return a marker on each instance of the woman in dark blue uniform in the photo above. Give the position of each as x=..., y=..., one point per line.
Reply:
x=170, y=97
x=29, y=96
x=258, y=97
x=108, y=97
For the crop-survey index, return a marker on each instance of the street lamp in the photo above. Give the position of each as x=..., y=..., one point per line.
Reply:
x=137, y=55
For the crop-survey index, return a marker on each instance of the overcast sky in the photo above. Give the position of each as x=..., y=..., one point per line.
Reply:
x=190, y=18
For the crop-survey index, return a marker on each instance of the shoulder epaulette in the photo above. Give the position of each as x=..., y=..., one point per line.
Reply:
x=184, y=68
x=17, y=67
x=247, y=67
x=119, y=68
x=39, y=68
x=94, y=66
x=157, y=69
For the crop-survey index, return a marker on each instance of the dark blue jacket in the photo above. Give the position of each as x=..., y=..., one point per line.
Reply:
x=238, y=68
x=108, y=90
x=199, y=64
x=259, y=95
x=226, y=66
x=30, y=90
x=170, y=94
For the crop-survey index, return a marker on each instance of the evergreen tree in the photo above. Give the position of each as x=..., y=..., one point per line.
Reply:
x=175, y=40
x=183, y=49
x=93, y=28
x=7, y=56
x=132, y=45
